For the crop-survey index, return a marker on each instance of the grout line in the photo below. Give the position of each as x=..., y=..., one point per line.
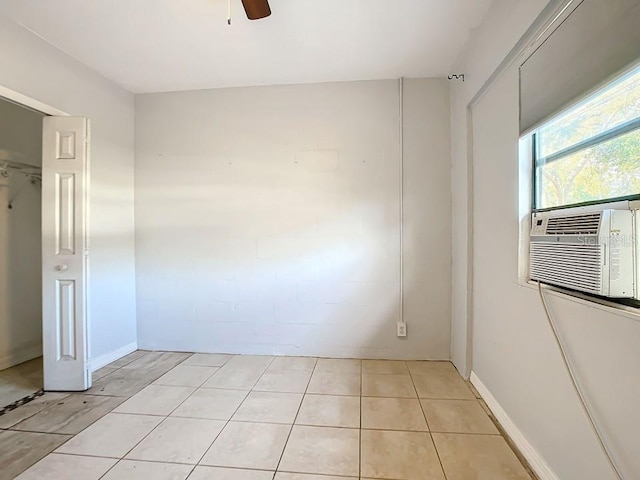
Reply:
x=68, y=454
x=510, y=443
x=46, y=407
x=193, y=469
x=57, y=404
x=69, y=435
x=159, y=423
x=328, y=475
x=433, y=442
x=332, y=475
x=120, y=460
x=252, y=469
x=286, y=443
x=246, y=395
x=234, y=412
x=118, y=368
x=217, y=369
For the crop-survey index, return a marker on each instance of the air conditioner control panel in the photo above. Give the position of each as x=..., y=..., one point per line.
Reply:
x=538, y=227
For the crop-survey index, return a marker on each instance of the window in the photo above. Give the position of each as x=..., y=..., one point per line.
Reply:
x=591, y=153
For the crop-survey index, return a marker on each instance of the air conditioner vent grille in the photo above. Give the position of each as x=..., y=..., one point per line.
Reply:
x=572, y=265
x=587, y=224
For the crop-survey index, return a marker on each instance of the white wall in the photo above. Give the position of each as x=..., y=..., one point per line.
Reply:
x=513, y=351
x=20, y=134
x=20, y=239
x=267, y=220
x=505, y=23
x=36, y=69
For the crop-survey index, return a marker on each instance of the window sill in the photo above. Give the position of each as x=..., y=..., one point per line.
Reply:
x=576, y=297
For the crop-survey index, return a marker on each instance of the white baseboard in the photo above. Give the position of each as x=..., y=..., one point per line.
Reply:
x=11, y=359
x=536, y=461
x=107, y=358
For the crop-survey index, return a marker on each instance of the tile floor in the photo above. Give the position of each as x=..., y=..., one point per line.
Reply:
x=173, y=416
x=19, y=381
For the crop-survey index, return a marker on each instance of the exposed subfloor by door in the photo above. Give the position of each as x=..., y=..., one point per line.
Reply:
x=175, y=416
x=20, y=381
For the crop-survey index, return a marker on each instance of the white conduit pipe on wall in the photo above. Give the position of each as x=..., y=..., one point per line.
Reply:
x=401, y=188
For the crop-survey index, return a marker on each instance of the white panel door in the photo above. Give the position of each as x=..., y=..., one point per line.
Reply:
x=65, y=166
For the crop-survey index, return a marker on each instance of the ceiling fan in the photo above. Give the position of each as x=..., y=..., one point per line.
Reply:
x=256, y=9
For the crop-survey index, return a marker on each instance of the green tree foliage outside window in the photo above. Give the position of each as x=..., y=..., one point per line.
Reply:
x=606, y=170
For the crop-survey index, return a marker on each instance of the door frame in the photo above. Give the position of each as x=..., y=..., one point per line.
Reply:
x=32, y=103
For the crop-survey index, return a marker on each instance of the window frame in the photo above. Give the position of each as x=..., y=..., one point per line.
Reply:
x=595, y=140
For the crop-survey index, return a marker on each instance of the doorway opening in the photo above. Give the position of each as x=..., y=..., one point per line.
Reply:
x=21, y=365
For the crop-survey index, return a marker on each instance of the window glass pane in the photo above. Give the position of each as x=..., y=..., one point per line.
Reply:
x=607, y=170
x=615, y=104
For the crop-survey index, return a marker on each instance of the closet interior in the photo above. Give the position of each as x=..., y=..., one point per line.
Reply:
x=20, y=253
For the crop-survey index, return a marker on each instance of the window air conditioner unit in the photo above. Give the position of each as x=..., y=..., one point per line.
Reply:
x=593, y=251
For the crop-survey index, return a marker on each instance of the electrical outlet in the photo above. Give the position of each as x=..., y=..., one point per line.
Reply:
x=402, y=329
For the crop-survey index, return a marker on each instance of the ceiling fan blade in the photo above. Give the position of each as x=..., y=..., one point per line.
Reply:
x=256, y=9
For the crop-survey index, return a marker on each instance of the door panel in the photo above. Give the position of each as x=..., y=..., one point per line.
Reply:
x=65, y=164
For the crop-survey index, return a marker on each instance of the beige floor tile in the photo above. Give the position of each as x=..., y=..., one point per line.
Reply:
x=158, y=360
x=186, y=376
x=330, y=411
x=248, y=445
x=156, y=400
x=429, y=367
x=102, y=372
x=399, y=455
x=212, y=404
x=27, y=410
x=207, y=359
x=394, y=443
x=251, y=361
x=178, y=440
x=393, y=414
x=467, y=457
x=70, y=415
x=221, y=473
x=387, y=385
x=136, y=470
x=298, y=364
x=125, y=382
x=235, y=377
x=269, y=407
x=442, y=384
x=329, y=383
x=56, y=466
x=457, y=416
x=339, y=365
x=306, y=476
x=127, y=359
x=111, y=436
x=20, y=450
x=322, y=450
x=283, y=381
x=385, y=367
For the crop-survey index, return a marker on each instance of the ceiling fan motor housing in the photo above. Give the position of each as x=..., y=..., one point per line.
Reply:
x=256, y=9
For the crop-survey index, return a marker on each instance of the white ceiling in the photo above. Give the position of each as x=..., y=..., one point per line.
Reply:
x=165, y=45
